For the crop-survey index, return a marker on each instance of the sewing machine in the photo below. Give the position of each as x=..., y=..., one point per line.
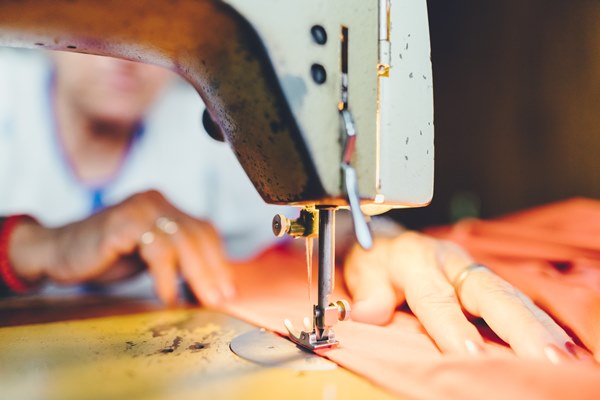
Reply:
x=326, y=104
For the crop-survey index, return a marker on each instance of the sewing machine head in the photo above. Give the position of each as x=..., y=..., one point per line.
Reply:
x=325, y=103
x=274, y=76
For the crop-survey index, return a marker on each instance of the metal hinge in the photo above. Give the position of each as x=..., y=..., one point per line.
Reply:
x=385, y=57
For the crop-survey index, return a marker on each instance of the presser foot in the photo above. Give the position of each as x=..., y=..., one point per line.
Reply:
x=309, y=340
x=320, y=334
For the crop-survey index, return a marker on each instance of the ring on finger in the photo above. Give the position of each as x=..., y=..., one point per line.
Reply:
x=147, y=238
x=166, y=225
x=462, y=276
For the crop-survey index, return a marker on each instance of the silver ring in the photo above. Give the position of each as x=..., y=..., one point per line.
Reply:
x=147, y=238
x=460, y=279
x=166, y=225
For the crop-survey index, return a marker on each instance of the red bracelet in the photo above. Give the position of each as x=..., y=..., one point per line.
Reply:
x=7, y=273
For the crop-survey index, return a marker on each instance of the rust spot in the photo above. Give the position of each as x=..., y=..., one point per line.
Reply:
x=176, y=342
x=174, y=346
x=197, y=346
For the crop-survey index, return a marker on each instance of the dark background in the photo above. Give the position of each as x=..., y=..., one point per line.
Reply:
x=517, y=105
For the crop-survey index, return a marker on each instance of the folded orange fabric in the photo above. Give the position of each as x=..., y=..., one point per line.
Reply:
x=548, y=257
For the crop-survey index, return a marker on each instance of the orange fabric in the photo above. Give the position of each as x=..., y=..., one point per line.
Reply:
x=552, y=253
x=549, y=252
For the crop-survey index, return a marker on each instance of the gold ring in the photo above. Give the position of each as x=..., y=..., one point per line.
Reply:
x=464, y=274
x=166, y=225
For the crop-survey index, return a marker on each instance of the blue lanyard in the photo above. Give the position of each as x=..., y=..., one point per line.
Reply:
x=97, y=195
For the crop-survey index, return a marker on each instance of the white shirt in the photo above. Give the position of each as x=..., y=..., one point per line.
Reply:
x=173, y=155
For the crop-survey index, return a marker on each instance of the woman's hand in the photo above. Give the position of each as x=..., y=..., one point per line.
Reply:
x=110, y=245
x=424, y=271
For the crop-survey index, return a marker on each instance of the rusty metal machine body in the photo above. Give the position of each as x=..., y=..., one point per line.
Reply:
x=326, y=104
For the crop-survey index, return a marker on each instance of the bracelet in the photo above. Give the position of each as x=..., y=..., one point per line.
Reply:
x=7, y=274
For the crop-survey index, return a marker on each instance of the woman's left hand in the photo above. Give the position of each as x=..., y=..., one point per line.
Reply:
x=424, y=271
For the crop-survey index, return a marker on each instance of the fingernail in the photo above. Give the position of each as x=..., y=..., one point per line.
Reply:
x=229, y=291
x=556, y=355
x=213, y=297
x=474, y=348
x=579, y=352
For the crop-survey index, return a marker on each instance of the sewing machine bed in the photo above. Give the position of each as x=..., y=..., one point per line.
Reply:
x=121, y=348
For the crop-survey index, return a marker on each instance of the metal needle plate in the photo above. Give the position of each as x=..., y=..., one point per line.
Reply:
x=270, y=350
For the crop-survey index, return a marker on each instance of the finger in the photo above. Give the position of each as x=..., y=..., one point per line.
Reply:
x=211, y=247
x=161, y=260
x=433, y=301
x=123, y=268
x=195, y=269
x=374, y=299
x=122, y=226
x=369, y=283
x=510, y=314
x=431, y=297
x=198, y=249
x=149, y=207
x=528, y=330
